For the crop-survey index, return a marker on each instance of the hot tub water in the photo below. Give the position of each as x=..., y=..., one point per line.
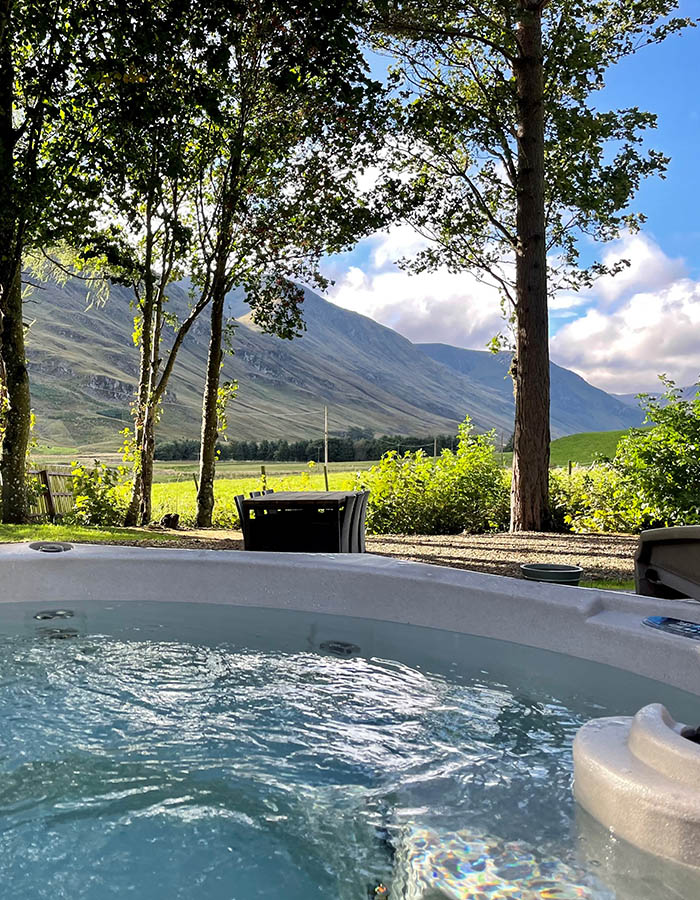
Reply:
x=158, y=769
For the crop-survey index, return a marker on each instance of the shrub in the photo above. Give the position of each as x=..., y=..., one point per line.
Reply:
x=661, y=465
x=98, y=497
x=653, y=480
x=464, y=490
x=593, y=499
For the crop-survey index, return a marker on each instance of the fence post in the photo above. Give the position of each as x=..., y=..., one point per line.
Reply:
x=570, y=468
x=50, y=504
x=263, y=478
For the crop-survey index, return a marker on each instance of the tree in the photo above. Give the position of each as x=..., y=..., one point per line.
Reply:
x=149, y=83
x=511, y=162
x=45, y=190
x=293, y=128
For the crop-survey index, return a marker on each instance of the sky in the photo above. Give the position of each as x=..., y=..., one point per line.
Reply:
x=624, y=332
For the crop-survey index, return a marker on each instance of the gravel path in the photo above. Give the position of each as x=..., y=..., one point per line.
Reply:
x=602, y=556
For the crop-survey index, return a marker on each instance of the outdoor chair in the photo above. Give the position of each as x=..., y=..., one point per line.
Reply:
x=238, y=500
x=357, y=524
x=346, y=530
x=306, y=529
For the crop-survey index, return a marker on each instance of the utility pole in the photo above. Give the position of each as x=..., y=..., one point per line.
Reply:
x=434, y=448
x=325, y=444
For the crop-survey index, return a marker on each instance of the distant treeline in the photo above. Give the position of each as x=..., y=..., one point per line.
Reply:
x=356, y=444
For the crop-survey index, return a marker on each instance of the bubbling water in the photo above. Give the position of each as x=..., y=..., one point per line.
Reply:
x=160, y=771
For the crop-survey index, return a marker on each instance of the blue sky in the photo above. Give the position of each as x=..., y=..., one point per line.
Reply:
x=664, y=80
x=625, y=331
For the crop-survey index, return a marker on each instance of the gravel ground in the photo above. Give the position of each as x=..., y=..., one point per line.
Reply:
x=608, y=557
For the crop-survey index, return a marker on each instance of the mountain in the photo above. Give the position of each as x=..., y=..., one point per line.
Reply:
x=687, y=393
x=83, y=366
x=575, y=404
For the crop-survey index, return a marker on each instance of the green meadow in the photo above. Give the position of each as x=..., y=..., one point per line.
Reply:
x=181, y=496
x=585, y=448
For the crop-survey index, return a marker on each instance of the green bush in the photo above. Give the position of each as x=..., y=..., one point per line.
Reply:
x=653, y=480
x=98, y=495
x=464, y=490
x=661, y=465
x=591, y=499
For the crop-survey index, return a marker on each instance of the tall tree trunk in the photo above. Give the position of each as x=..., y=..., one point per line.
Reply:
x=131, y=516
x=16, y=411
x=143, y=414
x=207, y=454
x=141, y=418
x=530, y=489
x=146, y=473
x=13, y=467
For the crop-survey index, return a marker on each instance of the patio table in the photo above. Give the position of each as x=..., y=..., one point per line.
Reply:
x=299, y=521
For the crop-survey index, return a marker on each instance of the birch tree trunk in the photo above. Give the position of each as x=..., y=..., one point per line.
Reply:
x=146, y=473
x=207, y=457
x=141, y=419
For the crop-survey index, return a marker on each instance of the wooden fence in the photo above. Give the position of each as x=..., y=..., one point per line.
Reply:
x=55, y=496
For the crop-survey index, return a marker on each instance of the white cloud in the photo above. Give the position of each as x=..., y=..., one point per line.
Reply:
x=452, y=308
x=625, y=349
x=401, y=241
x=619, y=335
x=649, y=269
x=565, y=301
x=637, y=324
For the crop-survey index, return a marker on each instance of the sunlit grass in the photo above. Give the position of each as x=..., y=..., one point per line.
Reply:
x=75, y=533
x=181, y=497
x=604, y=585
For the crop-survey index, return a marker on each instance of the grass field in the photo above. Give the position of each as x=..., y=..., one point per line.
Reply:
x=582, y=449
x=180, y=496
x=166, y=470
x=183, y=470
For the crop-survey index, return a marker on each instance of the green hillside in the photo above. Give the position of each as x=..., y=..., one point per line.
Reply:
x=583, y=449
x=575, y=405
x=580, y=449
x=83, y=367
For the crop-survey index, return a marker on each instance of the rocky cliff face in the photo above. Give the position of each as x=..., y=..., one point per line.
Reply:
x=108, y=388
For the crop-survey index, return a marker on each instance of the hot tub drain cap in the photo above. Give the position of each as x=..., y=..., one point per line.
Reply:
x=50, y=546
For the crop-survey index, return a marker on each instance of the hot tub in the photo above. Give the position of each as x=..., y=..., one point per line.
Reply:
x=209, y=724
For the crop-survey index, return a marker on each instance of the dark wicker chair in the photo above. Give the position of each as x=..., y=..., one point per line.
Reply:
x=238, y=500
x=346, y=530
x=357, y=526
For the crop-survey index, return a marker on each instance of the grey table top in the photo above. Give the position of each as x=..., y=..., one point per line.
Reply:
x=300, y=498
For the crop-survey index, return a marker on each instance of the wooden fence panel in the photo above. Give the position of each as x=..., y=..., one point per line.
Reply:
x=55, y=498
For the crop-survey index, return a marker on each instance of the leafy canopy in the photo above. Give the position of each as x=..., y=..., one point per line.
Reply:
x=456, y=135
x=296, y=117
x=652, y=482
x=47, y=190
